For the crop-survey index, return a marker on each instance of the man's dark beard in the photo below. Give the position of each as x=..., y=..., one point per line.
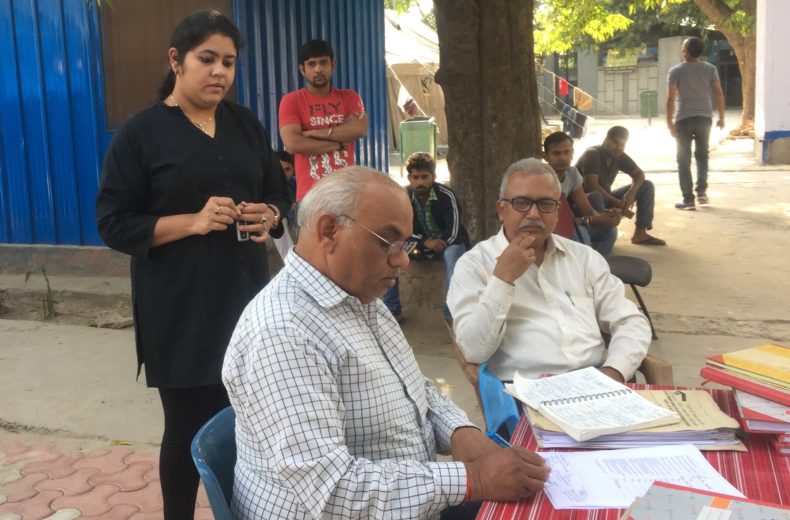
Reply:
x=315, y=84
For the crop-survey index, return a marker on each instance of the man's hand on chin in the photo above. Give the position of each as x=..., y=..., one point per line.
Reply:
x=614, y=374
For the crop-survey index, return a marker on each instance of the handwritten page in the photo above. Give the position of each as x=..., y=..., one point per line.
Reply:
x=587, y=404
x=614, y=478
x=587, y=381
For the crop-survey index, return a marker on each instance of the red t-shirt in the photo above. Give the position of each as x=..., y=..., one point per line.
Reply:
x=312, y=112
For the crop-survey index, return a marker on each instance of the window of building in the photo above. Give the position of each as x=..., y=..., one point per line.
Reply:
x=135, y=40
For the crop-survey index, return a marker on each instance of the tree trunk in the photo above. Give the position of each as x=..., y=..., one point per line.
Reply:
x=745, y=48
x=487, y=72
x=744, y=45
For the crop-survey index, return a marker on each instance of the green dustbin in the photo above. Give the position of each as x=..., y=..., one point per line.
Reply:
x=418, y=134
x=648, y=103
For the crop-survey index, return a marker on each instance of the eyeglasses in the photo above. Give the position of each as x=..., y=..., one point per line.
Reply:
x=524, y=204
x=393, y=248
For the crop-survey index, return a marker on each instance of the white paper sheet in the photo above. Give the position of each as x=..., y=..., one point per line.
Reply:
x=614, y=478
x=586, y=381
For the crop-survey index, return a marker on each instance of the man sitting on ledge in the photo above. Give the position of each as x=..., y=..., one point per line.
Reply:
x=333, y=417
x=531, y=301
x=437, y=225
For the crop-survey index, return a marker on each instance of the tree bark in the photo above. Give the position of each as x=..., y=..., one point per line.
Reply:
x=487, y=72
x=745, y=47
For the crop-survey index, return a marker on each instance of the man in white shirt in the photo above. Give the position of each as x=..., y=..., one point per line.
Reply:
x=535, y=302
x=333, y=417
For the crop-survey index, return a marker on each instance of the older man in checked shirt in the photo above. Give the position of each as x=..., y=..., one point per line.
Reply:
x=333, y=417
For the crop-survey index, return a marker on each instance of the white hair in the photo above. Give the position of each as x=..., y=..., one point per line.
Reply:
x=529, y=166
x=339, y=194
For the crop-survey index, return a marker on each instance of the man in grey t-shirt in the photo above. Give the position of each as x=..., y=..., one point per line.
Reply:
x=598, y=230
x=689, y=87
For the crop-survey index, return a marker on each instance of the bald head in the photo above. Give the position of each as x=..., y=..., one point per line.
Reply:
x=349, y=219
x=340, y=193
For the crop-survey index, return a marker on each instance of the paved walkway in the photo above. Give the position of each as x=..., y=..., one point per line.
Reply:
x=43, y=481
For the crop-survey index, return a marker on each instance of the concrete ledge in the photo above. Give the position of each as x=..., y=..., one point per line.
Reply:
x=63, y=260
x=79, y=260
x=422, y=284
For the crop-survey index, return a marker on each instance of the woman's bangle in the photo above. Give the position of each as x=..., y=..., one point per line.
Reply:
x=276, y=211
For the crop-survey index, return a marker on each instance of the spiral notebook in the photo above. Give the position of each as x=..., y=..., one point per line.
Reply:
x=587, y=404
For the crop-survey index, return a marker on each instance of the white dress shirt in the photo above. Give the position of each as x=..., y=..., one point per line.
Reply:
x=333, y=417
x=550, y=320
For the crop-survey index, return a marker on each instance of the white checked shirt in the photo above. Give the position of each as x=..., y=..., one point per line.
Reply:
x=333, y=417
x=550, y=320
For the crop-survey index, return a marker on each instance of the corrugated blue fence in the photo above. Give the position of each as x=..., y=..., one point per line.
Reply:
x=52, y=115
x=356, y=30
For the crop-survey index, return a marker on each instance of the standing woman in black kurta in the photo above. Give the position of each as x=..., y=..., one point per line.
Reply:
x=178, y=180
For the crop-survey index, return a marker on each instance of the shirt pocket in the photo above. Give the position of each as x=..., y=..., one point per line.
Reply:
x=583, y=315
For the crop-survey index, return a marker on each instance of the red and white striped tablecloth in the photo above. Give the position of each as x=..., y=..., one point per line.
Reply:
x=760, y=474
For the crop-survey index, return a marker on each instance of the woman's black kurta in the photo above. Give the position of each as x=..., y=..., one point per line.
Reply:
x=187, y=294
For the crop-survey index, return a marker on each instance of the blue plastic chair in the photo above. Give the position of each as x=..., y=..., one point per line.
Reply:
x=214, y=453
x=499, y=408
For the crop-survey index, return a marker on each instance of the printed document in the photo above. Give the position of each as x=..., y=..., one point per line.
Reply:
x=614, y=478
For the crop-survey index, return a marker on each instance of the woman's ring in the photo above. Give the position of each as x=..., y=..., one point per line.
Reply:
x=263, y=221
x=216, y=210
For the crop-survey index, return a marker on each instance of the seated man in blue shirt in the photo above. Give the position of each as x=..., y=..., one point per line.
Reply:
x=437, y=225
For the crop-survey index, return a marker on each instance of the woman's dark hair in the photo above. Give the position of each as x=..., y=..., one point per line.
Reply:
x=191, y=31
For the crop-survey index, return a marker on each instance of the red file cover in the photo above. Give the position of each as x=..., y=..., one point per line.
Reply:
x=758, y=422
x=751, y=386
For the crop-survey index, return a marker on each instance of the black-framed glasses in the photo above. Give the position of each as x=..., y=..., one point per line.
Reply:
x=393, y=248
x=524, y=204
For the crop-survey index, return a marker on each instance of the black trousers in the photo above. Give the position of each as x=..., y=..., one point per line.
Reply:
x=186, y=410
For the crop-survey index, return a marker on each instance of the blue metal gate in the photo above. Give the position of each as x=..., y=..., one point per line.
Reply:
x=52, y=113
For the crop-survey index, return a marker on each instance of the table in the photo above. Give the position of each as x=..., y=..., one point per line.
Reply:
x=760, y=473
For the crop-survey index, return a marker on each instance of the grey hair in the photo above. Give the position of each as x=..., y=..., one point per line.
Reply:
x=339, y=194
x=529, y=166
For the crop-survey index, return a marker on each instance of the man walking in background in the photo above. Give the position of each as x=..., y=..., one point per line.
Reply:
x=689, y=88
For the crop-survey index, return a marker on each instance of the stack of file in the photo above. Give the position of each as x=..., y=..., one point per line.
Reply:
x=763, y=371
x=702, y=424
x=586, y=404
x=761, y=379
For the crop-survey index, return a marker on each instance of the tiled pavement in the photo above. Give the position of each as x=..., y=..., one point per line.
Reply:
x=39, y=482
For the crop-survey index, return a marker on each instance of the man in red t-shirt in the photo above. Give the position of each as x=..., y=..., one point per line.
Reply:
x=319, y=123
